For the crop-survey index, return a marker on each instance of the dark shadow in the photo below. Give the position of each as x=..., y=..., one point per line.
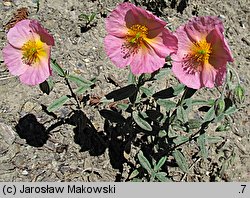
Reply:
x=87, y=27
x=182, y=6
x=164, y=94
x=86, y=135
x=32, y=131
x=173, y=3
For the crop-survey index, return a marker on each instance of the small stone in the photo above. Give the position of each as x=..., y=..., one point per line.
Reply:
x=25, y=172
x=7, y=133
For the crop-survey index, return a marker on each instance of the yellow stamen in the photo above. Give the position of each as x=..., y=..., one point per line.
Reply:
x=32, y=51
x=201, y=51
x=137, y=33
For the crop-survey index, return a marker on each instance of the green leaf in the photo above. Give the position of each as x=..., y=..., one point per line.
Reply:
x=144, y=162
x=79, y=80
x=164, y=72
x=213, y=139
x=122, y=93
x=182, y=115
x=57, y=103
x=180, y=139
x=162, y=177
x=134, y=174
x=160, y=163
x=210, y=115
x=141, y=122
x=131, y=78
x=81, y=89
x=123, y=106
x=57, y=68
x=181, y=160
x=167, y=104
x=201, y=141
x=231, y=110
x=113, y=116
x=148, y=92
x=162, y=133
x=84, y=16
x=178, y=89
x=203, y=102
x=194, y=123
x=92, y=16
x=223, y=127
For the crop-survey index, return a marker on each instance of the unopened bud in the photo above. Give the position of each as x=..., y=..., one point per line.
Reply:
x=239, y=93
x=219, y=106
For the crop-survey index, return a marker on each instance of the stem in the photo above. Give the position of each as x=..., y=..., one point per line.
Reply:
x=236, y=74
x=72, y=93
x=183, y=97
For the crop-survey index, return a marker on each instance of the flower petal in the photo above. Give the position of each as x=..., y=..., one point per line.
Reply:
x=190, y=79
x=113, y=47
x=164, y=44
x=198, y=27
x=146, y=60
x=116, y=23
x=20, y=33
x=44, y=35
x=220, y=48
x=13, y=59
x=36, y=74
x=146, y=18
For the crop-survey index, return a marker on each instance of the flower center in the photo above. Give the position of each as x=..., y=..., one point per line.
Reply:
x=137, y=33
x=32, y=50
x=201, y=51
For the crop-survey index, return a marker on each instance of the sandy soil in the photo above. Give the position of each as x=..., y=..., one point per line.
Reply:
x=61, y=155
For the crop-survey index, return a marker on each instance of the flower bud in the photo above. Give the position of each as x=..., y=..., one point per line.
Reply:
x=219, y=106
x=239, y=93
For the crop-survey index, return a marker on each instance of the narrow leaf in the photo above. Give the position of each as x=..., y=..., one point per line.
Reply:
x=82, y=89
x=203, y=102
x=162, y=177
x=134, y=174
x=180, y=139
x=160, y=163
x=201, y=141
x=123, y=106
x=57, y=68
x=213, y=139
x=230, y=110
x=181, y=160
x=79, y=80
x=144, y=162
x=210, y=115
x=167, y=104
x=57, y=103
x=141, y=122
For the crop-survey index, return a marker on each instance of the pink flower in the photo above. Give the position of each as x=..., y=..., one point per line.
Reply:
x=27, y=53
x=202, y=53
x=137, y=38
